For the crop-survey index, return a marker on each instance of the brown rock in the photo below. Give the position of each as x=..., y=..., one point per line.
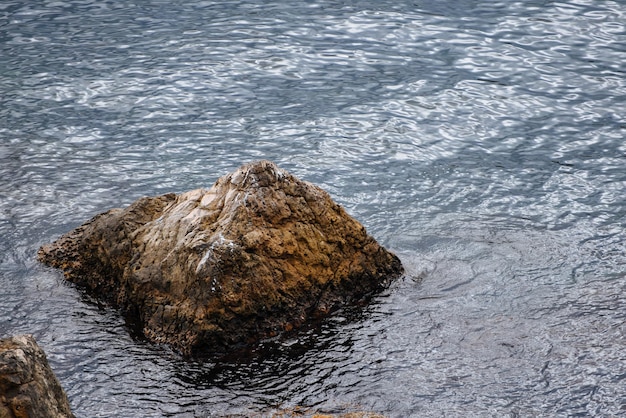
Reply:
x=28, y=387
x=208, y=270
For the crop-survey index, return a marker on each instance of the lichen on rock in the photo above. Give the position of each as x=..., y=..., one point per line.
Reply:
x=209, y=270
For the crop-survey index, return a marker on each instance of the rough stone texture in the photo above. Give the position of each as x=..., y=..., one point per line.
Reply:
x=28, y=387
x=208, y=270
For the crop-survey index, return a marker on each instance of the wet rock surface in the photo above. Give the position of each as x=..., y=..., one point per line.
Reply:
x=28, y=387
x=209, y=270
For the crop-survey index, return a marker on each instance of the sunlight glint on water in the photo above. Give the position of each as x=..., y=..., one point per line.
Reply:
x=483, y=142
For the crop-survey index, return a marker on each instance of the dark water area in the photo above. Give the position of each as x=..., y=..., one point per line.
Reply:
x=483, y=142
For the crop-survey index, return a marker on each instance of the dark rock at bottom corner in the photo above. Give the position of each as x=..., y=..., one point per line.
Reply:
x=28, y=386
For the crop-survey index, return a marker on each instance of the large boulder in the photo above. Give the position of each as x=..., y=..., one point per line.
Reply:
x=28, y=387
x=210, y=270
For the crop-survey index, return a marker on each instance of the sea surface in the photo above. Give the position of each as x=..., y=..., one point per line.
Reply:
x=483, y=142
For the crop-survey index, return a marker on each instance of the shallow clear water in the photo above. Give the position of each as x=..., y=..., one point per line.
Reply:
x=483, y=142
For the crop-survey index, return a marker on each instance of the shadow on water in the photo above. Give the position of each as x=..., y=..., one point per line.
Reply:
x=284, y=355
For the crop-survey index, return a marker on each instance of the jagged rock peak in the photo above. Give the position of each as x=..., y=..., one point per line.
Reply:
x=262, y=173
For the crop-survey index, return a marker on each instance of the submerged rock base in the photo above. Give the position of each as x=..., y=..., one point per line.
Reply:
x=209, y=270
x=28, y=387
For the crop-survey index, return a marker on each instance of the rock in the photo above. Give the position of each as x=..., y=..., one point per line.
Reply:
x=28, y=387
x=210, y=270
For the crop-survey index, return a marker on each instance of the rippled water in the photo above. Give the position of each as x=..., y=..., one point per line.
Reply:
x=483, y=142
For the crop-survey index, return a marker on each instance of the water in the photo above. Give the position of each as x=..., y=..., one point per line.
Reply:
x=483, y=142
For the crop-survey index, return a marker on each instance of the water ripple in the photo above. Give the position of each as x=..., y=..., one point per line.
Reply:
x=482, y=141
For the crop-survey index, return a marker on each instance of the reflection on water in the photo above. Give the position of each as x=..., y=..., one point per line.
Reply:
x=483, y=142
